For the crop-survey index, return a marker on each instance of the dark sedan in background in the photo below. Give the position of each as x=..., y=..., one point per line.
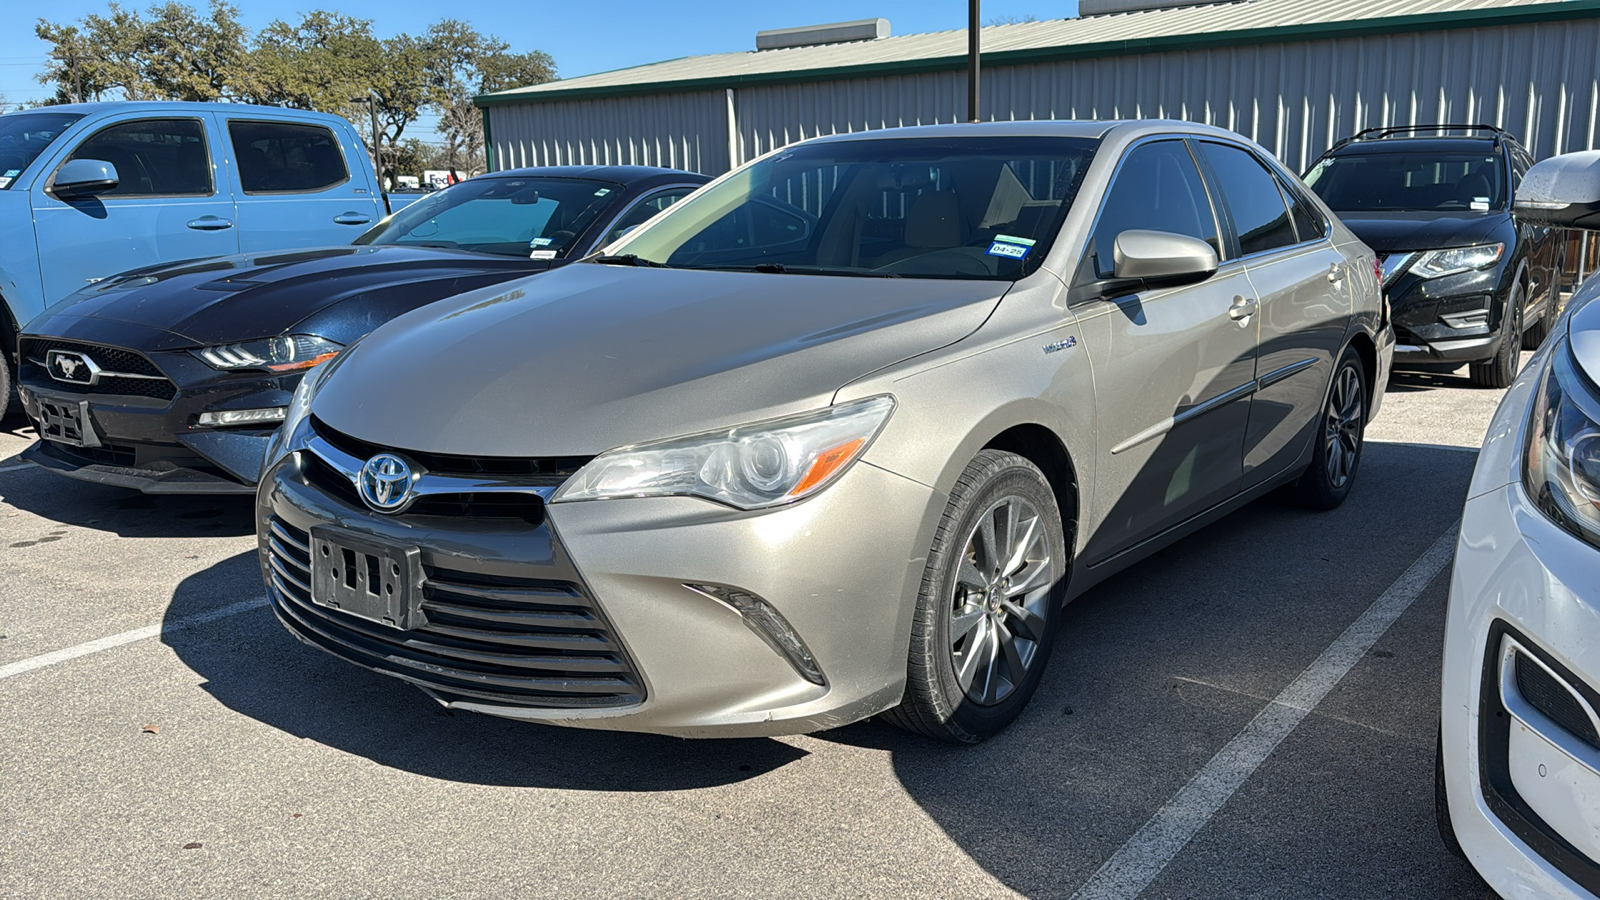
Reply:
x=1468, y=280
x=171, y=379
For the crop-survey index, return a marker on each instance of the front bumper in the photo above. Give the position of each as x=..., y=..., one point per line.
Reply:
x=1523, y=780
x=1452, y=320
x=842, y=569
x=154, y=443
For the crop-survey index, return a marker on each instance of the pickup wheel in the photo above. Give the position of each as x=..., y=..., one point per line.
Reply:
x=8, y=380
x=990, y=601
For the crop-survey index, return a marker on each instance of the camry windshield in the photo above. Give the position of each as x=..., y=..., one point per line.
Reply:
x=23, y=136
x=1412, y=181
x=954, y=207
x=517, y=216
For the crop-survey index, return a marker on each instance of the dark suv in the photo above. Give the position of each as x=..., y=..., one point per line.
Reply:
x=1467, y=281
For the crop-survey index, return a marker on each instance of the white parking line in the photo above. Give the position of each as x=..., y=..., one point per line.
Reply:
x=127, y=637
x=1138, y=862
x=16, y=468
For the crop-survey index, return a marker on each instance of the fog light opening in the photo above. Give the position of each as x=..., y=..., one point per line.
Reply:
x=243, y=417
x=770, y=626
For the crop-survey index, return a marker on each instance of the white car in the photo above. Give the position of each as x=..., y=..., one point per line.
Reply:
x=1518, y=781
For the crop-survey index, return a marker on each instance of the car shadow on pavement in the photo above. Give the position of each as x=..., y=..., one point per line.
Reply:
x=254, y=667
x=125, y=512
x=1159, y=667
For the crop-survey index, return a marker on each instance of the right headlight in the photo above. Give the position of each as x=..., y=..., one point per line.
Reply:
x=749, y=467
x=1439, y=263
x=1561, y=467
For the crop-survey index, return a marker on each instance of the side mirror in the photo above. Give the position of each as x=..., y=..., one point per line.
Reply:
x=1563, y=191
x=1162, y=258
x=85, y=178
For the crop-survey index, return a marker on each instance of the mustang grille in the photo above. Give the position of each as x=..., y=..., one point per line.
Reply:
x=511, y=641
x=155, y=384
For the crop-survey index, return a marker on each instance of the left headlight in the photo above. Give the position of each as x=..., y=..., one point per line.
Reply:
x=285, y=353
x=1439, y=263
x=749, y=467
x=1561, y=467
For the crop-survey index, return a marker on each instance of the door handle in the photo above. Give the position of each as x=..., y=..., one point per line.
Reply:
x=351, y=218
x=1243, y=308
x=210, y=223
x=1335, y=273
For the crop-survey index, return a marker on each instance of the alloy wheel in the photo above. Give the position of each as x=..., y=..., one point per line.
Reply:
x=1000, y=600
x=1342, y=433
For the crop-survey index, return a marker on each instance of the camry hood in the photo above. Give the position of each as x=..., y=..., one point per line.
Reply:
x=592, y=357
x=1401, y=232
x=238, y=298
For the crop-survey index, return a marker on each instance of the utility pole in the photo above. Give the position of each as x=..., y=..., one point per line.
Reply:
x=371, y=100
x=974, y=38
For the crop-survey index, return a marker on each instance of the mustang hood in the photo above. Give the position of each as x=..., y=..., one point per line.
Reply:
x=1401, y=232
x=592, y=357
x=238, y=298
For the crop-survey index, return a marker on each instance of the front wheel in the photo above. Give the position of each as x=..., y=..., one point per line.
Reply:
x=1501, y=369
x=991, y=595
x=1341, y=435
x=7, y=381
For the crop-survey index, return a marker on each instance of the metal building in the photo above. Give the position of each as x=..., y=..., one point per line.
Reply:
x=1295, y=75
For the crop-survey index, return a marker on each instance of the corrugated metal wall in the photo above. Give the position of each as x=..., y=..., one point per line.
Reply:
x=680, y=131
x=1541, y=82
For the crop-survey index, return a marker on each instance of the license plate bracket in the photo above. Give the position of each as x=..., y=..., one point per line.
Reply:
x=367, y=577
x=67, y=422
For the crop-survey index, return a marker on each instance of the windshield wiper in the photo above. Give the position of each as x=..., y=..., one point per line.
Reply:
x=775, y=268
x=629, y=259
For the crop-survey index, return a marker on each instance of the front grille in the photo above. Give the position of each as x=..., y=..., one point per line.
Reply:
x=556, y=468
x=528, y=508
x=104, y=455
x=515, y=641
x=110, y=359
x=1546, y=694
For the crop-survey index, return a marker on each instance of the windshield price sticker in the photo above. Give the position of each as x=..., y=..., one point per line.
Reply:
x=542, y=254
x=1011, y=247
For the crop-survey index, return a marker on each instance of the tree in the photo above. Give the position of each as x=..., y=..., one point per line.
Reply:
x=193, y=58
x=470, y=64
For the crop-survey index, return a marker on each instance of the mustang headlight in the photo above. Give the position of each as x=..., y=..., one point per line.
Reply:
x=749, y=467
x=1439, y=263
x=285, y=353
x=1561, y=468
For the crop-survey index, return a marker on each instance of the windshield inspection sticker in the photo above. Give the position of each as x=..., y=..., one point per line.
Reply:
x=1010, y=247
x=1480, y=204
x=540, y=242
x=542, y=254
x=602, y=192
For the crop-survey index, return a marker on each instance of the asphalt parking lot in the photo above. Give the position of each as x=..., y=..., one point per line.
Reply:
x=1180, y=741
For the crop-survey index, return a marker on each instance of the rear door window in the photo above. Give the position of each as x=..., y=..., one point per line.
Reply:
x=1157, y=188
x=286, y=158
x=1252, y=198
x=1308, y=223
x=153, y=157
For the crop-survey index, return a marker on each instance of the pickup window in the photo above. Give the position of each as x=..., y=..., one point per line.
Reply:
x=23, y=136
x=286, y=158
x=154, y=157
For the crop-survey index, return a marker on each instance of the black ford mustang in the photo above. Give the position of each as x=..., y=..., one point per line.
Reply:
x=171, y=379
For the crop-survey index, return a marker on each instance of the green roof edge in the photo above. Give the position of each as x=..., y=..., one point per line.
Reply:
x=1472, y=18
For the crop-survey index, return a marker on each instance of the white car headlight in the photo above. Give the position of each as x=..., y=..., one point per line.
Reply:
x=748, y=467
x=285, y=353
x=1439, y=263
x=1561, y=466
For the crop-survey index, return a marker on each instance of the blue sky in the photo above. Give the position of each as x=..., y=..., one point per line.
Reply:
x=583, y=37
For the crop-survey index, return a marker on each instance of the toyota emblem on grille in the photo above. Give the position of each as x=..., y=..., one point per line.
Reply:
x=385, y=483
x=71, y=367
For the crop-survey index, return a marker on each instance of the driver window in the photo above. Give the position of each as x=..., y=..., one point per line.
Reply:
x=645, y=210
x=1158, y=188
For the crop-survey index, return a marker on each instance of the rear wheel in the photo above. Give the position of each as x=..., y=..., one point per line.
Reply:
x=1501, y=369
x=1341, y=434
x=991, y=595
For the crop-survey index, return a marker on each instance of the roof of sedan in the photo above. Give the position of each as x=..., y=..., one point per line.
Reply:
x=602, y=173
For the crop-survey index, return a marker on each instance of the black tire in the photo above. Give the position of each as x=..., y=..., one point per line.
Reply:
x=1501, y=369
x=1441, y=802
x=1535, y=334
x=1327, y=481
x=8, y=383
x=1002, y=616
